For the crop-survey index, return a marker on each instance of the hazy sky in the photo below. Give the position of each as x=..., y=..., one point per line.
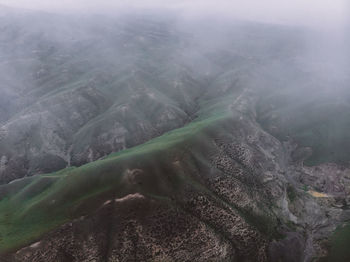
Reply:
x=310, y=12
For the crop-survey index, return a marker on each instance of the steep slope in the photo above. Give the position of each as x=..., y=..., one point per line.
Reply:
x=77, y=89
x=220, y=185
x=181, y=176
x=80, y=98
x=137, y=139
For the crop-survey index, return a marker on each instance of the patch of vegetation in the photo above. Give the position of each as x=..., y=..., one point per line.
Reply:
x=33, y=206
x=339, y=246
x=291, y=193
x=263, y=222
x=291, y=225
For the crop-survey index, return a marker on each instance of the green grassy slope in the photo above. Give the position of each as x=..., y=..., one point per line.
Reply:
x=32, y=206
x=339, y=246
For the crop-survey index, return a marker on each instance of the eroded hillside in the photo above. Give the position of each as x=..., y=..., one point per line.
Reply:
x=133, y=139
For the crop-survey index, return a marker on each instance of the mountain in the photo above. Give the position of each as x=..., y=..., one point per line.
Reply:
x=146, y=137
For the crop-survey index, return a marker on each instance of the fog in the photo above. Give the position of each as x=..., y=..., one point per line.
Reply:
x=82, y=79
x=326, y=13
x=319, y=27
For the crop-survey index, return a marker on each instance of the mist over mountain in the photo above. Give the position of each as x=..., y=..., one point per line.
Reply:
x=174, y=134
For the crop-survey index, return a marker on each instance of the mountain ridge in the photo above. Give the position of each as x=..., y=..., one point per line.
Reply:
x=114, y=131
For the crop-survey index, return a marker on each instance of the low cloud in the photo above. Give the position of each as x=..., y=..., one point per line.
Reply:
x=326, y=13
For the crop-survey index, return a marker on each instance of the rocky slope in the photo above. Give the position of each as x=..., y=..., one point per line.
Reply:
x=226, y=147
x=232, y=192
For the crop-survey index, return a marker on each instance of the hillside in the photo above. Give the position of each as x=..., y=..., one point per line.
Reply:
x=148, y=138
